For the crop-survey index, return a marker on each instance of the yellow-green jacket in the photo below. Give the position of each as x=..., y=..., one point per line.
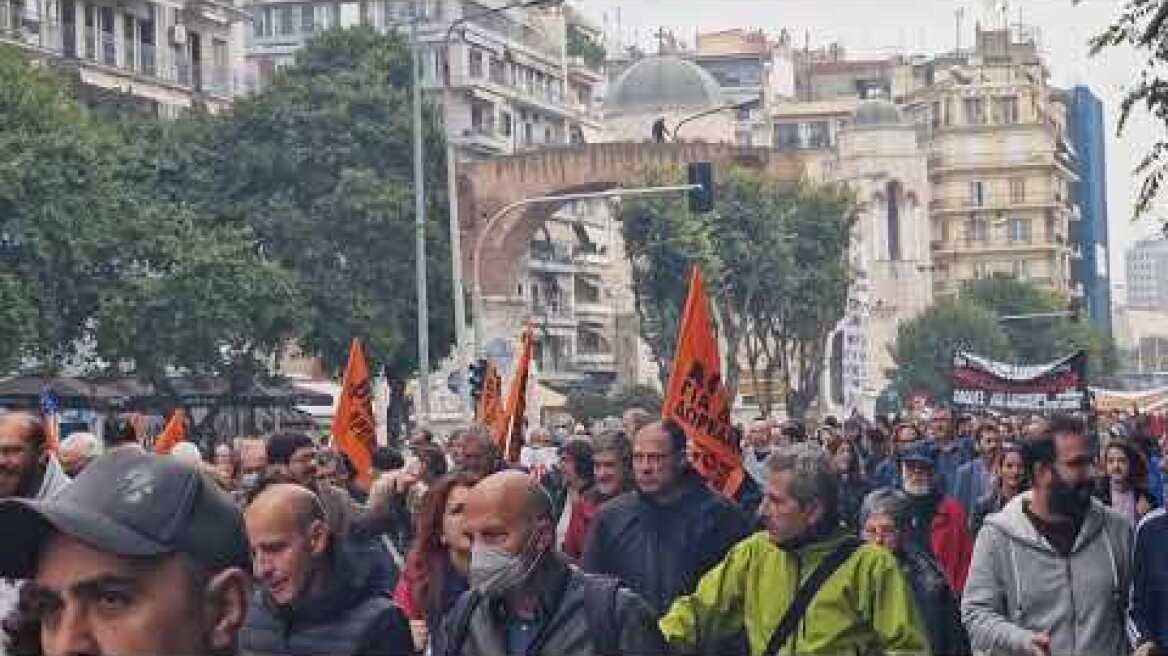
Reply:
x=865, y=607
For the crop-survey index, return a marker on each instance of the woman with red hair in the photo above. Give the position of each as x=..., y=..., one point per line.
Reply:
x=436, y=566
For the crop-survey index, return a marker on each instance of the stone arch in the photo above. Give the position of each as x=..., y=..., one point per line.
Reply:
x=487, y=186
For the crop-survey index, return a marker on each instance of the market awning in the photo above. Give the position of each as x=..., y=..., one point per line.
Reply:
x=127, y=393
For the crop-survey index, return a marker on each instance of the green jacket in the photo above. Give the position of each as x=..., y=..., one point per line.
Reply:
x=865, y=607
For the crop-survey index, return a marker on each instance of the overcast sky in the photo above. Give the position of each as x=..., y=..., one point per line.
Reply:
x=868, y=27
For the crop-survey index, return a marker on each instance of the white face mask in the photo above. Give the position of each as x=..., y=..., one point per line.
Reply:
x=495, y=572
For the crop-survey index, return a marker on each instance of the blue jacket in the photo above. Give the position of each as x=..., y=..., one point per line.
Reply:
x=949, y=459
x=1156, y=480
x=973, y=482
x=1148, y=610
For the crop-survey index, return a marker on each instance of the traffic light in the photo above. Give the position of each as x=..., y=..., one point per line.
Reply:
x=478, y=376
x=701, y=199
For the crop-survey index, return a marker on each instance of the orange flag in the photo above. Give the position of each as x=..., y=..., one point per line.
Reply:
x=354, y=432
x=490, y=408
x=173, y=433
x=697, y=398
x=509, y=431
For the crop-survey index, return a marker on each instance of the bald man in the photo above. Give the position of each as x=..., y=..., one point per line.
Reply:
x=313, y=596
x=524, y=598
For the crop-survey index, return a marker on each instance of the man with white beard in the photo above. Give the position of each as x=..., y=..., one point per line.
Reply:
x=938, y=522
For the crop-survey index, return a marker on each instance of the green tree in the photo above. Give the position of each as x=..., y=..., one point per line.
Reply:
x=587, y=407
x=581, y=44
x=774, y=260
x=319, y=167
x=924, y=346
x=662, y=242
x=1041, y=340
x=1143, y=26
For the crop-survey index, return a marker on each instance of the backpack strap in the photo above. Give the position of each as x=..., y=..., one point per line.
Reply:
x=807, y=592
x=459, y=618
x=600, y=607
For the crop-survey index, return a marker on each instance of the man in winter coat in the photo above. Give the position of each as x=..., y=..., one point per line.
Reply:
x=865, y=606
x=312, y=597
x=524, y=598
x=661, y=538
x=938, y=522
x=975, y=478
x=1050, y=572
x=1148, y=616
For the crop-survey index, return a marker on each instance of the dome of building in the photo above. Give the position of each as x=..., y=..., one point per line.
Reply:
x=655, y=84
x=872, y=113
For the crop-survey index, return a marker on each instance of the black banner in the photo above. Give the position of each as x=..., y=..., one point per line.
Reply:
x=983, y=384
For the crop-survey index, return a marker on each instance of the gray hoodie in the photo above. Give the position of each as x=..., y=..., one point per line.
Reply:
x=1019, y=585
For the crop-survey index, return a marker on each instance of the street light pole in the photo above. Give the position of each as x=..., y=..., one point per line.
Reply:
x=423, y=413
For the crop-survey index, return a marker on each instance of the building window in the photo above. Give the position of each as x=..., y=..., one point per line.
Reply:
x=1019, y=230
x=496, y=68
x=1018, y=190
x=935, y=115
x=506, y=119
x=128, y=54
x=743, y=138
x=975, y=111
x=1006, y=110
x=981, y=270
x=977, y=193
x=108, y=51
x=893, y=190
x=286, y=21
x=742, y=114
x=787, y=136
x=818, y=135
x=476, y=63
x=976, y=229
x=1049, y=226
x=307, y=19
x=1021, y=269
x=947, y=115
x=146, y=30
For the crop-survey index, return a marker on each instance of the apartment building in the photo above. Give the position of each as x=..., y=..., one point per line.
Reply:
x=513, y=85
x=1147, y=275
x=159, y=57
x=1001, y=162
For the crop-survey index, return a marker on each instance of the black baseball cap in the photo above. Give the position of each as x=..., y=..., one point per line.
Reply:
x=129, y=503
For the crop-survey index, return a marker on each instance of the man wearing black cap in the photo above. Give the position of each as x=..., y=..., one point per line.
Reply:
x=140, y=555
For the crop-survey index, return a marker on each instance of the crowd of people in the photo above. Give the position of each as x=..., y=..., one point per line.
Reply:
x=948, y=534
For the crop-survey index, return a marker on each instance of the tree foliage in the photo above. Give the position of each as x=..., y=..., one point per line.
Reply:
x=205, y=244
x=924, y=346
x=1143, y=25
x=1044, y=339
x=587, y=407
x=774, y=259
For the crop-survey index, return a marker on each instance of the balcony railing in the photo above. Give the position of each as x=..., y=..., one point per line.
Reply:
x=552, y=310
x=552, y=251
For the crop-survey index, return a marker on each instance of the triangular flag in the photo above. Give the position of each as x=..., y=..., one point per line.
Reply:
x=354, y=432
x=173, y=433
x=490, y=407
x=509, y=431
x=697, y=398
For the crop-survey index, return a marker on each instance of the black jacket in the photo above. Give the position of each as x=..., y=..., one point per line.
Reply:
x=564, y=628
x=937, y=603
x=661, y=551
x=345, y=618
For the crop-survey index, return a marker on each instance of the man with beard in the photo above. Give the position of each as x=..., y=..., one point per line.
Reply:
x=27, y=471
x=1051, y=571
x=937, y=522
x=525, y=599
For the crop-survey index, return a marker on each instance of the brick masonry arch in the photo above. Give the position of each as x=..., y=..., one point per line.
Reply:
x=487, y=186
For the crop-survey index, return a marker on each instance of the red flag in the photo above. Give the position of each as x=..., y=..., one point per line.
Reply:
x=173, y=433
x=509, y=431
x=697, y=398
x=354, y=432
